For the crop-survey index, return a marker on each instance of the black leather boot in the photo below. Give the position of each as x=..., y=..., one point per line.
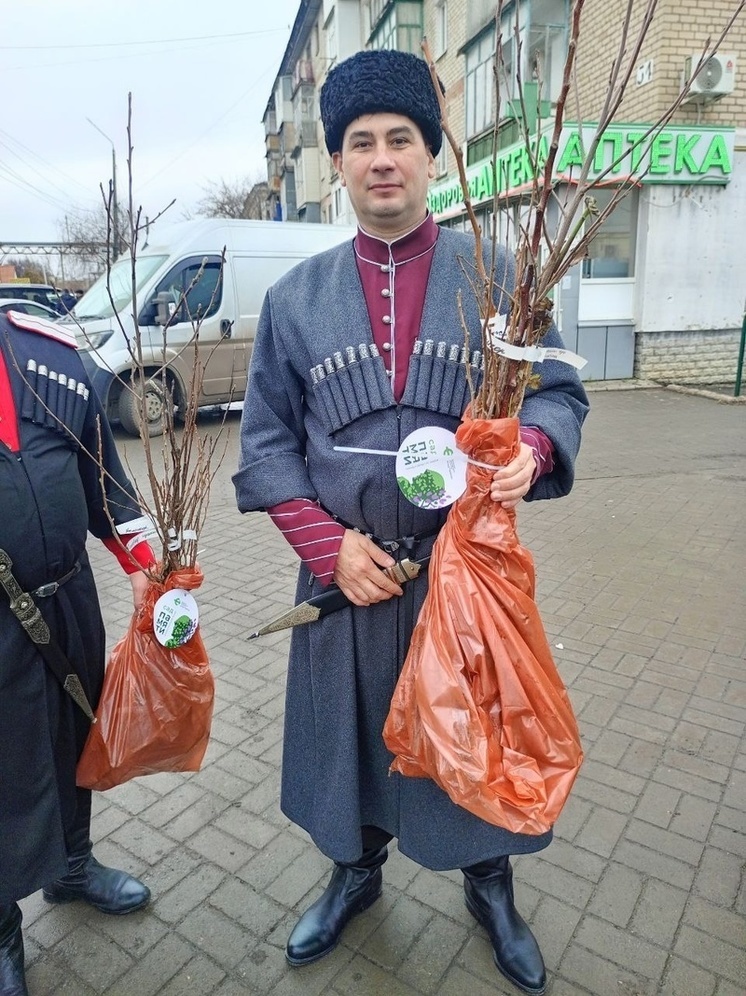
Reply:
x=351, y=889
x=108, y=889
x=12, y=975
x=488, y=887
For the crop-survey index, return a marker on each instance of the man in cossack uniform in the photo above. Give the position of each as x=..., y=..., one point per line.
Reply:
x=60, y=477
x=358, y=347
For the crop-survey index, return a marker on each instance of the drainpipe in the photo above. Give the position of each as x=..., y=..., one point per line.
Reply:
x=739, y=368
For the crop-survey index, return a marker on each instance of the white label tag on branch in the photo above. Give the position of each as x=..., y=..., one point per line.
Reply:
x=135, y=525
x=139, y=529
x=497, y=326
x=537, y=354
x=176, y=539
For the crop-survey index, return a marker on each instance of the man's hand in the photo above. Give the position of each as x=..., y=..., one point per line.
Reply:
x=358, y=572
x=510, y=483
x=139, y=582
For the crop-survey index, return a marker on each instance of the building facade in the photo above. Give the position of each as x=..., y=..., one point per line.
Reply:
x=662, y=291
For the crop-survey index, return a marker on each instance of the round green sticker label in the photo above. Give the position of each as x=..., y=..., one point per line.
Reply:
x=430, y=470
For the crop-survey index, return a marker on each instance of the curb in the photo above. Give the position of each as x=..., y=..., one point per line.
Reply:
x=641, y=384
x=701, y=392
x=635, y=384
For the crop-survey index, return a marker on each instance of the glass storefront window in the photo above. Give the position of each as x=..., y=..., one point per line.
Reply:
x=611, y=255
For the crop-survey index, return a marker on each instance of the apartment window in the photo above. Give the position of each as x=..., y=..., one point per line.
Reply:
x=441, y=28
x=377, y=7
x=396, y=25
x=479, y=87
x=481, y=148
x=513, y=27
x=384, y=37
x=611, y=254
x=534, y=32
x=548, y=22
x=338, y=203
x=331, y=37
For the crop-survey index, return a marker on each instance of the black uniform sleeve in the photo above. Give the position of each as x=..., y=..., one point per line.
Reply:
x=106, y=485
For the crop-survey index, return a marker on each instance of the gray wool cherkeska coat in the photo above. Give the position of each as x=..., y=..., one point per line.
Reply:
x=343, y=669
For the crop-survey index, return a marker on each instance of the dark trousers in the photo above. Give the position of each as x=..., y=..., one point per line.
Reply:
x=374, y=838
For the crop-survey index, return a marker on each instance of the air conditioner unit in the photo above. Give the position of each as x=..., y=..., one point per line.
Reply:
x=715, y=77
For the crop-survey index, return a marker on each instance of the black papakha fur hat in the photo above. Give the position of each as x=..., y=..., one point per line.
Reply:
x=380, y=81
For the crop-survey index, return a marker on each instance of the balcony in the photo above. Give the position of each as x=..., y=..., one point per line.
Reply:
x=306, y=136
x=287, y=139
x=302, y=73
x=270, y=123
x=378, y=8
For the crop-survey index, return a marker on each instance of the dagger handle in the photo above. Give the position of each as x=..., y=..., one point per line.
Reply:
x=331, y=600
x=405, y=570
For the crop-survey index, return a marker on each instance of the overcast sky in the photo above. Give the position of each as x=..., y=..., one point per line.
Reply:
x=200, y=73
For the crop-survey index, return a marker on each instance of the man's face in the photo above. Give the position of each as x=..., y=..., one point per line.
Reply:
x=386, y=167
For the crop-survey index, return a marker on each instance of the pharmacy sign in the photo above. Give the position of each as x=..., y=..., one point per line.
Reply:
x=676, y=154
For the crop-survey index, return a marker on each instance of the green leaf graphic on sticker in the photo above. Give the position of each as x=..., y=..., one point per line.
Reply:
x=426, y=490
x=181, y=628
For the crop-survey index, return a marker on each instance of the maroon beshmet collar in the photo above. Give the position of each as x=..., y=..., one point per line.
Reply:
x=394, y=276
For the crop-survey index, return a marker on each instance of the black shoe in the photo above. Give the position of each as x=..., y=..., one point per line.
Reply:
x=489, y=898
x=351, y=889
x=12, y=975
x=108, y=889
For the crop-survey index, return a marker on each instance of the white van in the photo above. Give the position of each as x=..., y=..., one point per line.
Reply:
x=227, y=298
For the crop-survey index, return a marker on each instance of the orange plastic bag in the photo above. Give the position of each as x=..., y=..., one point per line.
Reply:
x=156, y=703
x=479, y=706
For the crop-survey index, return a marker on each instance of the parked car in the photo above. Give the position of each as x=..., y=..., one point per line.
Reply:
x=39, y=293
x=215, y=271
x=28, y=308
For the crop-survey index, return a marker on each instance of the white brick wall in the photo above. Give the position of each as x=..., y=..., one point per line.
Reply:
x=680, y=28
x=688, y=357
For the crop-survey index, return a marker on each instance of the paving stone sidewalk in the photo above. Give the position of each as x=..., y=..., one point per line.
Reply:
x=643, y=595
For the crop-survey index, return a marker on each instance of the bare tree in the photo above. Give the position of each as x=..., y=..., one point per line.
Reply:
x=246, y=198
x=88, y=234
x=27, y=269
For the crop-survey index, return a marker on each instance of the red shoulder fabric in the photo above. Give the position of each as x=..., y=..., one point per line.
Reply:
x=140, y=557
x=8, y=419
x=41, y=326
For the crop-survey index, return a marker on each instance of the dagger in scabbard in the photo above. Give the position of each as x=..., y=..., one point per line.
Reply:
x=334, y=598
